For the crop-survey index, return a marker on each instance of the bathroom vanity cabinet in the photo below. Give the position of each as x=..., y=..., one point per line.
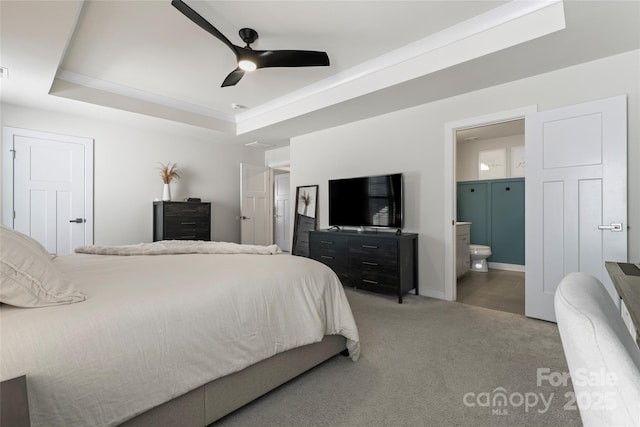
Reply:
x=463, y=254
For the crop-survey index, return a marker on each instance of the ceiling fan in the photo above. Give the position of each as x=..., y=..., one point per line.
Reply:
x=249, y=59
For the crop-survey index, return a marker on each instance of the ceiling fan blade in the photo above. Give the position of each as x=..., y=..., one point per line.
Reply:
x=202, y=23
x=285, y=58
x=233, y=78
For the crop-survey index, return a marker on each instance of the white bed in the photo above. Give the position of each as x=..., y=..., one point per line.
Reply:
x=153, y=328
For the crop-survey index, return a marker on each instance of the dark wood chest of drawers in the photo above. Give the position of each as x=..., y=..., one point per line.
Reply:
x=14, y=405
x=181, y=221
x=380, y=262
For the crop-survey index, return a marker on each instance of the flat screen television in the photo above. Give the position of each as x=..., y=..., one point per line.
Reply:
x=370, y=201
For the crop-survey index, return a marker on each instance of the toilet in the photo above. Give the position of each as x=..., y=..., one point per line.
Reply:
x=479, y=255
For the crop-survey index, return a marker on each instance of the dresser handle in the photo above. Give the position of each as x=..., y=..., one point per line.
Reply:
x=370, y=246
x=373, y=282
x=370, y=263
x=326, y=242
x=187, y=223
x=326, y=257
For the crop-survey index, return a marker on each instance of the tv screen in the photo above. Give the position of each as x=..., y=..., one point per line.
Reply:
x=371, y=201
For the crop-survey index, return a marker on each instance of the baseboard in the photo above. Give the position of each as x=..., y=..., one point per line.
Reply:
x=503, y=266
x=432, y=293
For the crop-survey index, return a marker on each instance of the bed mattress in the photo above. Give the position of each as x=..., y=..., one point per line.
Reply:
x=155, y=327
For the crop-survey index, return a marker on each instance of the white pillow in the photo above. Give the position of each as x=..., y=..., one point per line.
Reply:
x=28, y=277
x=27, y=240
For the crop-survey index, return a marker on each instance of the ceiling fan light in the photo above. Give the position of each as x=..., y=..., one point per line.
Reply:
x=247, y=65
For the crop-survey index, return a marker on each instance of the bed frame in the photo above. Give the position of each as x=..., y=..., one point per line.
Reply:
x=212, y=401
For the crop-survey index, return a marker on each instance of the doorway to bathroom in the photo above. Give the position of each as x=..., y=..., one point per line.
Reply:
x=490, y=224
x=282, y=208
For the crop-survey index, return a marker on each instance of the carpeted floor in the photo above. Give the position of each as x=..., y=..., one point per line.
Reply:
x=428, y=363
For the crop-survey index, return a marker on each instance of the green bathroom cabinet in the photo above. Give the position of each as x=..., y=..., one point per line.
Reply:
x=507, y=221
x=473, y=206
x=496, y=210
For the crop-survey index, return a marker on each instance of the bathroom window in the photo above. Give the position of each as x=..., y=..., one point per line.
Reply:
x=492, y=164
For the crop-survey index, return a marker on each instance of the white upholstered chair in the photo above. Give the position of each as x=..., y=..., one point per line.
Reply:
x=604, y=361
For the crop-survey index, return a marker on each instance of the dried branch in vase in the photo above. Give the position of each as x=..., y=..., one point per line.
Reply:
x=168, y=172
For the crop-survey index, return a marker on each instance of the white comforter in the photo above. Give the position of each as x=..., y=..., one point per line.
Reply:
x=155, y=327
x=174, y=247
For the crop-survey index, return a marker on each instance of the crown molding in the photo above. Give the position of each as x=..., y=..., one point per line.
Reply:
x=130, y=92
x=472, y=27
x=395, y=67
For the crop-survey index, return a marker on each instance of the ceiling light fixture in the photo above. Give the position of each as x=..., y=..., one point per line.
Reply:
x=238, y=106
x=247, y=65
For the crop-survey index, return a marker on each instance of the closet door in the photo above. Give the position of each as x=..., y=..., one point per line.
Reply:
x=473, y=206
x=507, y=221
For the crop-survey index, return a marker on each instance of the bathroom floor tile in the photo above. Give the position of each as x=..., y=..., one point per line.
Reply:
x=498, y=290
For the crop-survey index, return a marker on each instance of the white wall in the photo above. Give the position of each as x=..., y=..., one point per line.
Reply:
x=467, y=155
x=277, y=156
x=126, y=178
x=411, y=141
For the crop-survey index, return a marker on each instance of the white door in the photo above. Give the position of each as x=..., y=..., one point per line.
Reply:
x=576, y=197
x=48, y=188
x=255, y=228
x=282, y=220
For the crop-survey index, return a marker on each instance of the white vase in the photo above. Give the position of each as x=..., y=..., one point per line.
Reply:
x=166, y=193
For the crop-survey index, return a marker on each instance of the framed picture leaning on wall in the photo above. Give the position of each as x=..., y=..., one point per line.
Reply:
x=305, y=218
x=306, y=200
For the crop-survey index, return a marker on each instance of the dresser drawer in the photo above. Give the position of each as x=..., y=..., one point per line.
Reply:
x=331, y=259
x=374, y=267
x=187, y=210
x=373, y=280
x=187, y=235
x=329, y=247
x=329, y=242
x=373, y=251
x=367, y=245
x=188, y=222
x=327, y=255
x=187, y=232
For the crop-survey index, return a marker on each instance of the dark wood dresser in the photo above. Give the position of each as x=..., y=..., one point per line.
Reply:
x=14, y=404
x=181, y=221
x=379, y=262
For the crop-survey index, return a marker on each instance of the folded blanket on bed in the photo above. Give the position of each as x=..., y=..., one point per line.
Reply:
x=171, y=247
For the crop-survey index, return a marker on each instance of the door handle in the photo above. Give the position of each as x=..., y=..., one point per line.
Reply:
x=245, y=217
x=78, y=220
x=614, y=226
